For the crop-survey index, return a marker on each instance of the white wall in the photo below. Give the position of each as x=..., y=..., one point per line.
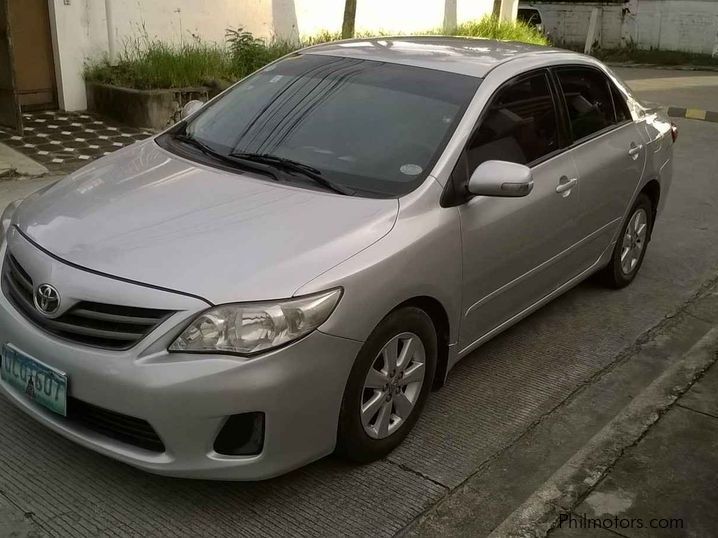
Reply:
x=398, y=16
x=78, y=31
x=567, y=22
x=80, y=28
x=689, y=25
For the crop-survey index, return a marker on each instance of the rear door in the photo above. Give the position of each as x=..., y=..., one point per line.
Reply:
x=10, y=115
x=608, y=149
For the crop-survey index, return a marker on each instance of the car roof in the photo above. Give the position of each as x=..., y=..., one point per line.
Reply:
x=463, y=55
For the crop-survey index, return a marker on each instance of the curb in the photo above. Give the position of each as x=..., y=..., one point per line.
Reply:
x=693, y=114
x=570, y=483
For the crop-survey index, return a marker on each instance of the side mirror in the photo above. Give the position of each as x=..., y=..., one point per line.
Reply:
x=501, y=178
x=190, y=108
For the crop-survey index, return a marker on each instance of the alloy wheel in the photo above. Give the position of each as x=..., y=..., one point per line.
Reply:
x=634, y=241
x=393, y=385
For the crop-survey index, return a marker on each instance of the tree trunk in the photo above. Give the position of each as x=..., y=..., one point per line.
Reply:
x=449, y=16
x=350, y=16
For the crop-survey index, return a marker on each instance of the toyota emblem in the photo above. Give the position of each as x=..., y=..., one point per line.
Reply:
x=47, y=299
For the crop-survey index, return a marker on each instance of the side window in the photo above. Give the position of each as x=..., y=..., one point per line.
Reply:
x=619, y=103
x=520, y=125
x=588, y=98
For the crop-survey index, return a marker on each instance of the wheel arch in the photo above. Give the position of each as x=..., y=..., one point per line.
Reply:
x=652, y=189
x=440, y=318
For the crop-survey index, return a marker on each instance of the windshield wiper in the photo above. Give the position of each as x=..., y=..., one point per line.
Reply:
x=235, y=161
x=294, y=167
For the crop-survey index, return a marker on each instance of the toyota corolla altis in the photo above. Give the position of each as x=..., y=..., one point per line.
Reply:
x=291, y=269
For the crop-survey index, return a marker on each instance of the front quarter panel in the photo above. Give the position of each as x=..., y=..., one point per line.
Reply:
x=421, y=256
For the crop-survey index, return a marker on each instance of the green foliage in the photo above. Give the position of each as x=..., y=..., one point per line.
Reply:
x=248, y=53
x=325, y=36
x=491, y=27
x=150, y=64
x=154, y=64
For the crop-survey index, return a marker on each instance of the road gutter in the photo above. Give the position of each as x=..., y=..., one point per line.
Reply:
x=567, y=487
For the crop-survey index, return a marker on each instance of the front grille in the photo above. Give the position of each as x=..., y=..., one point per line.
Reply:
x=93, y=324
x=123, y=428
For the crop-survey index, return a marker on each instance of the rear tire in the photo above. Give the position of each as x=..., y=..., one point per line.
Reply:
x=631, y=245
x=388, y=385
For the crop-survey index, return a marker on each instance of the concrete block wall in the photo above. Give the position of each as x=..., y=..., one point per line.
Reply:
x=567, y=22
x=688, y=25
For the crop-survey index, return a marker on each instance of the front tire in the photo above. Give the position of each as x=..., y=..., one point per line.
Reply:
x=631, y=246
x=388, y=385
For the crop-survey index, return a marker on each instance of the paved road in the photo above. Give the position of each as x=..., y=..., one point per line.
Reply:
x=491, y=401
x=685, y=89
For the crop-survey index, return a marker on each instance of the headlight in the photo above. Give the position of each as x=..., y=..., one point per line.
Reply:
x=248, y=328
x=6, y=218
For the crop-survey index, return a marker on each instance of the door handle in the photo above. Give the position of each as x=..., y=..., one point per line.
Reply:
x=566, y=185
x=634, y=150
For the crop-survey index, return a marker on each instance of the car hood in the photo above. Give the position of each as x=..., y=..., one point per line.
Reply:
x=147, y=215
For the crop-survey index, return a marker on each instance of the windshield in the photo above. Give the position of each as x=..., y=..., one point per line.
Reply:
x=369, y=126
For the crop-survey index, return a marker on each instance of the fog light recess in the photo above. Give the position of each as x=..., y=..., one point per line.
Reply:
x=241, y=435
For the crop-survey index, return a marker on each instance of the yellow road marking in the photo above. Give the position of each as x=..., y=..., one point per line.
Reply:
x=695, y=114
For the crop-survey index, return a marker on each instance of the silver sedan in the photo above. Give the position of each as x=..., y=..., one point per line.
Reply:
x=291, y=269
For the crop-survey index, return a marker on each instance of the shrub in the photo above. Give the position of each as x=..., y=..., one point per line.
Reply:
x=248, y=53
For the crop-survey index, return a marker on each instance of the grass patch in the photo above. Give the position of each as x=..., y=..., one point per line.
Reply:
x=145, y=64
x=160, y=65
x=493, y=28
x=658, y=57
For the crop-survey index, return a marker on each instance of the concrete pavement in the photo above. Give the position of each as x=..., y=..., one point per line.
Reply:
x=527, y=487
x=510, y=415
x=671, y=87
x=665, y=484
x=13, y=163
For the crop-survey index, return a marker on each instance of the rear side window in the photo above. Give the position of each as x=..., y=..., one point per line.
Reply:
x=520, y=125
x=588, y=99
x=619, y=103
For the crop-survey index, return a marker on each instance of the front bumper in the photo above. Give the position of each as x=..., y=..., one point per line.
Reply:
x=187, y=398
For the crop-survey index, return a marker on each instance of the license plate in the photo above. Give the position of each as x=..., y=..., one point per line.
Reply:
x=39, y=382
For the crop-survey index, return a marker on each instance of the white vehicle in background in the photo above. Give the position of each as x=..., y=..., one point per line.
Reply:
x=530, y=15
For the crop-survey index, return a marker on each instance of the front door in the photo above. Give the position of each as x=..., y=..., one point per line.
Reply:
x=518, y=250
x=10, y=115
